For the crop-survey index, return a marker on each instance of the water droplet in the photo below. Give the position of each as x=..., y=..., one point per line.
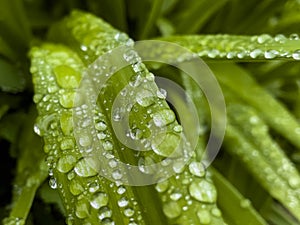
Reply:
x=172, y=209
x=67, y=77
x=117, y=114
x=104, y=212
x=204, y=216
x=175, y=196
x=117, y=175
x=294, y=37
x=99, y=200
x=67, y=143
x=122, y=37
x=85, y=140
x=121, y=190
x=66, y=123
x=161, y=93
x=256, y=53
x=178, y=166
x=216, y=212
x=163, y=117
x=178, y=128
x=296, y=54
x=263, y=38
x=197, y=169
x=107, y=145
x=14, y=221
x=166, y=145
x=66, y=163
x=145, y=98
x=162, y=186
x=294, y=182
x=75, y=187
x=280, y=38
x=93, y=187
x=138, y=68
x=67, y=99
x=231, y=55
x=101, y=126
x=128, y=212
x=82, y=209
x=85, y=168
x=271, y=54
x=53, y=183
x=123, y=202
x=203, y=191
x=213, y=53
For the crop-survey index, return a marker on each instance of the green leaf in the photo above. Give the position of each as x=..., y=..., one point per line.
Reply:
x=11, y=79
x=31, y=172
x=234, y=206
x=240, y=48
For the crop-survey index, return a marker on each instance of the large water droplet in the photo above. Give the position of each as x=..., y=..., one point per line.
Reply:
x=67, y=143
x=99, y=200
x=123, y=202
x=256, y=53
x=204, y=216
x=175, y=196
x=101, y=126
x=203, y=191
x=67, y=99
x=75, y=187
x=271, y=54
x=166, y=144
x=263, y=38
x=93, y=187
x=67, y=77
x=145, y=98
x=66, y=123
x=296, y=54
x=82, y=209
x=128, y=212
x=86, y=168
x=163, y=117
x=85, y=140
x=162, y=186
x=66, y=163
x=171, y=209
x=104, y=212
x=197, y=169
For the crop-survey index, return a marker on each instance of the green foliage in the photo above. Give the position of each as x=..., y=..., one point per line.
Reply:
x=253, y=49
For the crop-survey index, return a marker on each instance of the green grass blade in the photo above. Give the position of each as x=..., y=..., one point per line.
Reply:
x=240, y=48
x=234, y=206
x=240, y=82
x=31, y=160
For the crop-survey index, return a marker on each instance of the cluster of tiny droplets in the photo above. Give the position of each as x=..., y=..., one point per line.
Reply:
x=260, y=47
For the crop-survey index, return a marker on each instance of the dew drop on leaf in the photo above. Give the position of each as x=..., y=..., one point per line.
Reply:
x=163, y=117
x=99, y=200
x=75, y=187
x=82, y=209
x=197, y=169
x=128, y=212
x=67, y=77
x=53, y=183
x=85, y=168
x=171, y=209
x=104, y=212
x=296, y=54
x=66, y=163
x=123, y=202
x=203, y=191
x=204, y=216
